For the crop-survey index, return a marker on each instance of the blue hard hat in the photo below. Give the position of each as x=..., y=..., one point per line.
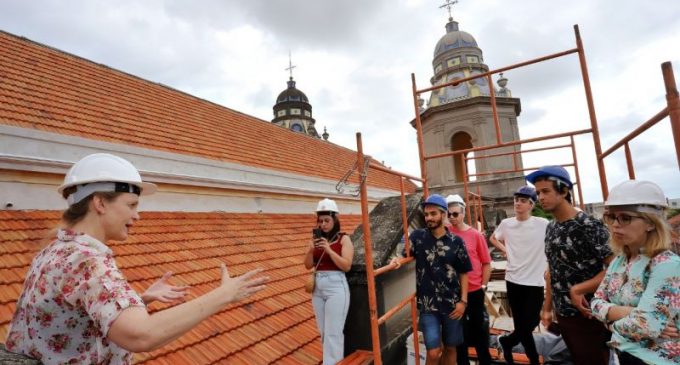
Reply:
x=558, y=172
x=437, y=200
x=527, y=191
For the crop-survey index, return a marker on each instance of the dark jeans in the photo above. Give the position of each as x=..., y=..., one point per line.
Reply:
x=628, y=359
x=586, y=339
x=476, y=330
x=525, y=302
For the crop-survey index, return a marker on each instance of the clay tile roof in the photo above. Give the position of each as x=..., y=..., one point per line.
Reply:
x=276, y=326
x=49, y=90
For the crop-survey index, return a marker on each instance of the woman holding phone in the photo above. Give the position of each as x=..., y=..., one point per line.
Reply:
x=330, y=252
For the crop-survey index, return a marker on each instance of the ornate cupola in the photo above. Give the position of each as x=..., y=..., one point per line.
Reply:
x=292, y=109
x=457, y=56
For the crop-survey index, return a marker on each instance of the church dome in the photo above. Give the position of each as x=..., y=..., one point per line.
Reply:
x=454, y=38
x=291, y=94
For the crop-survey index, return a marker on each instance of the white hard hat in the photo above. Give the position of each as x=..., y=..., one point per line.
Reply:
x=637, y=193
x=103, y=168
x=327, y=205
x=455, y=199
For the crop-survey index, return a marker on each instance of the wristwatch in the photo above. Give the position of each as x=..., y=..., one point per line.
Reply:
x=464, y=302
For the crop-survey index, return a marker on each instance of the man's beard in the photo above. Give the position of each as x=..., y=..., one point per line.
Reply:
x=432, y=224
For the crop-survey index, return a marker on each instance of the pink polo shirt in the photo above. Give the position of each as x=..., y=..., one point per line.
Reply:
x=478, y=250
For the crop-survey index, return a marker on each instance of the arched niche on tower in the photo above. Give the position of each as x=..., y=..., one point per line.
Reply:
x=460, y=140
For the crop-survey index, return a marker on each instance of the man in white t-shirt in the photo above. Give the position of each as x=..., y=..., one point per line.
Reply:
x=522, y=239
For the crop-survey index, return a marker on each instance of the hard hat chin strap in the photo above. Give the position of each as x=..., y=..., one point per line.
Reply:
x=85, y=190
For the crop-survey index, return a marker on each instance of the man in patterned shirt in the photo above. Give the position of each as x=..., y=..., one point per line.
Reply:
x=577, y=252
x=442, y=264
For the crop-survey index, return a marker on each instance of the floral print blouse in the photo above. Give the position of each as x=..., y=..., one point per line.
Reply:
x=653, y=288
x=576, y=250
x=72, y=294
x=439, y=261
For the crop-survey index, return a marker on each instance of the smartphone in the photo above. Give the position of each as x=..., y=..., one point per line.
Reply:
x=316, y=233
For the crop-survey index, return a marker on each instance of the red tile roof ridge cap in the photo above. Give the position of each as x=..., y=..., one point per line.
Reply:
x=153, y=357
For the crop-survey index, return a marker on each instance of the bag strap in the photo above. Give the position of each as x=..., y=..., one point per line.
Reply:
x=318, y=262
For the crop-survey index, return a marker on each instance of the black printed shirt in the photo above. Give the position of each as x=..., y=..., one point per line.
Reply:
x=576, y=250
x=439, y=261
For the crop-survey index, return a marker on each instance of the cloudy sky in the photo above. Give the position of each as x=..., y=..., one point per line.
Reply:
x=354, y=60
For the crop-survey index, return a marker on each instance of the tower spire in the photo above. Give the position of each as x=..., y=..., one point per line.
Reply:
x=448, y=5
x=290, y=66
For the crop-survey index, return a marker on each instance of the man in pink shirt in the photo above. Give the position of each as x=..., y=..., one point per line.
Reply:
x=475, y=319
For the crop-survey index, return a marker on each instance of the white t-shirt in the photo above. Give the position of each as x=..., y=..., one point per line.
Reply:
x=525, y=246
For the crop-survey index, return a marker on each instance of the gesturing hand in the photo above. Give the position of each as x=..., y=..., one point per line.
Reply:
x=241, y=287
x=162, y=291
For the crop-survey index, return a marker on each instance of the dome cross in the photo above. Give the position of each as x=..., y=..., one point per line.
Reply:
x=448, y=5
x=290, y=65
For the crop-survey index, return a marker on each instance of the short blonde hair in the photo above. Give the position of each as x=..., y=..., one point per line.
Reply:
x=658, y=239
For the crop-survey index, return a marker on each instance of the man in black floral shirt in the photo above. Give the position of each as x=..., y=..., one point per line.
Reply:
x=441, y=282
x=577, y=249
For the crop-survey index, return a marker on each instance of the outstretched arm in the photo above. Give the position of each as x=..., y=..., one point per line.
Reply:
x=137, y=331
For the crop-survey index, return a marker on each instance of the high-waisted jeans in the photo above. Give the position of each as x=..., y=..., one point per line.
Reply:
x=331, y=303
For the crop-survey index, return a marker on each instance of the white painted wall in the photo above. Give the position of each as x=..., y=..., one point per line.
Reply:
x=241, y=188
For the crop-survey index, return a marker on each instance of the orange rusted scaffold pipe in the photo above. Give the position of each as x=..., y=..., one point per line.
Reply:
x=395, y=309
x=591, y=113
x=481, y=210
x=368, y=247
x=419, y=134
x=498, y=70
x=414, y=319
x=643, y=127
x=390, y=171
x=512, y=170
x=465, y=186
x=494, y=110
x=507, y=144
x=673, y=102
x=629, y=161
x=578, y=176
x=519, y=152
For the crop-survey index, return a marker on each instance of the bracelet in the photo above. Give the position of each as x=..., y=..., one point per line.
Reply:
x=464, y=302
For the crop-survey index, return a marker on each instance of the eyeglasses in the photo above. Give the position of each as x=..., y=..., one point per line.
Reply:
x=623, y=219
x=454, y=214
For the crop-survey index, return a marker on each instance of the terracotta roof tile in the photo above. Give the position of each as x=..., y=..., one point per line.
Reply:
x=46, y=89
x=275, y=327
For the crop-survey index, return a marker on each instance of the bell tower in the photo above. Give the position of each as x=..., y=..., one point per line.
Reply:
x=293, y=110
x=460, y=117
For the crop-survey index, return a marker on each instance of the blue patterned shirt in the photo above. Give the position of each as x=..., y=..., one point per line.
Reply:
x=652, y=286
x=439, y=261
x=576, y=250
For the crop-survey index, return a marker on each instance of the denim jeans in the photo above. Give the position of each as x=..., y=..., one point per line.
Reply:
x=438, y=327
x=331, y=303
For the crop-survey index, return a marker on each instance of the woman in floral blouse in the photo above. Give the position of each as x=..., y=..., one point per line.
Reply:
x=639, y=298
x=76, y=307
